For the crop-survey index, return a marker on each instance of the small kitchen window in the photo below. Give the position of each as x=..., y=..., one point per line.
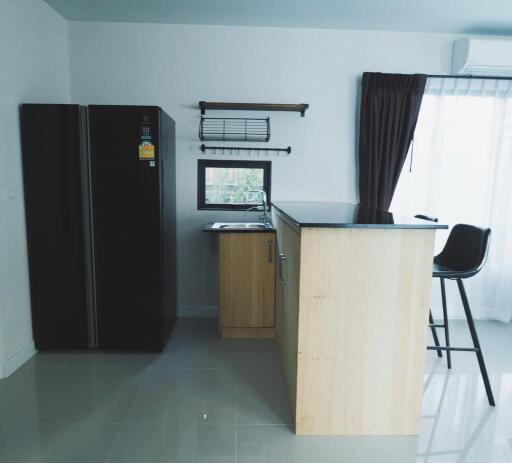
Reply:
x=228, y=185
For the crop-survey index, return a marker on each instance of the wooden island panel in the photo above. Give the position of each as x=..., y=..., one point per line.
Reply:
x=351, y=327
x=364, y=301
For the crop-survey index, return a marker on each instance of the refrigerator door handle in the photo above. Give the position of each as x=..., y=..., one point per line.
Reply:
x=65, y=171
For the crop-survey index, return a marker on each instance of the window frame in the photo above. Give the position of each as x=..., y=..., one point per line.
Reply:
x=202, y=164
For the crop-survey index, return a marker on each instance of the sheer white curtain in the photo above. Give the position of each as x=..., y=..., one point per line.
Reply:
x=459, y=169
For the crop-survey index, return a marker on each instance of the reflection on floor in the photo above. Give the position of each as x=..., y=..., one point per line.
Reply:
x=210, y=400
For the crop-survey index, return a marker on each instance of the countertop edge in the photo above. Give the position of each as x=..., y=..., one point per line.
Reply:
x=373, y=225
x=419, y=226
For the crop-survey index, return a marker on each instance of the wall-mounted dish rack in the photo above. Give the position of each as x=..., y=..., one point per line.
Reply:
x=235, y=150
x=241, y=129
x=234, y=129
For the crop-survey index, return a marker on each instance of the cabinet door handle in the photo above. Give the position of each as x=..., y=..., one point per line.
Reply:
x=270, y=251
x=282, y=260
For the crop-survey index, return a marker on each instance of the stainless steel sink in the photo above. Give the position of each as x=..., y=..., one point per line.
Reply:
x=240, y=226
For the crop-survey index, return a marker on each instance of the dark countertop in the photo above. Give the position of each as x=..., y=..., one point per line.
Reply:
x=345, y=215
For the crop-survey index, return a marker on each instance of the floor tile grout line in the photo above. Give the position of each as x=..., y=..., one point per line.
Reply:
x=157, y=424
x=142, y=383
x=72, y=357
x=118, y=435
x=358, y=450
x=55, y=374
x=96, y=367
x=283, y=425
x=116, y=440
x=186, y=368
x=145, y=424
x=66, y=423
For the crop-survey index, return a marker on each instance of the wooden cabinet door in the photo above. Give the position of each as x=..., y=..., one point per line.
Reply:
x=247, y=280
x=281, y=289
x=287, y=303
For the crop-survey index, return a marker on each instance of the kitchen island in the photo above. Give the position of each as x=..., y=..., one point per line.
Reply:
x=352, y=300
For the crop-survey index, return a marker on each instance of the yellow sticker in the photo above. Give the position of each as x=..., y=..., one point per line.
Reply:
x=146, y=151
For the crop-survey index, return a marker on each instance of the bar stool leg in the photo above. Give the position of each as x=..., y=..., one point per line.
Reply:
x=476, y=343
x=446, y=329
x=434, y=333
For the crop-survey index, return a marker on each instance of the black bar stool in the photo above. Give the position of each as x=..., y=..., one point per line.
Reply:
x=463, y=256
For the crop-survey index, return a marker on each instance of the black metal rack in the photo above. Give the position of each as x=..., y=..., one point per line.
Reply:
x=251, y=150
x=234, y=129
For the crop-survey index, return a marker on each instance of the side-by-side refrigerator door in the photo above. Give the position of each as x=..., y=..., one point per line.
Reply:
x=54, y=211
x=126, y=225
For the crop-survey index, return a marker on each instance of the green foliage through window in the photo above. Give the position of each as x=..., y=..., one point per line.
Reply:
x=229, y=184
x=233, y=185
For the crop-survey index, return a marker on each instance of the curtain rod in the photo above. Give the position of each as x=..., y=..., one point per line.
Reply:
x=451, y=76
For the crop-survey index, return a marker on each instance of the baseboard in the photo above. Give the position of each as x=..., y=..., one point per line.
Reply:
x=207, y=311
x=15, y=361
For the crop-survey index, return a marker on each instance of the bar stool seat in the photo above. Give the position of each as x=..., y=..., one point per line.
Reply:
x=439, y=271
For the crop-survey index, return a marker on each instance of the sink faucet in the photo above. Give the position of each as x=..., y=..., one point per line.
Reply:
x=263, y=205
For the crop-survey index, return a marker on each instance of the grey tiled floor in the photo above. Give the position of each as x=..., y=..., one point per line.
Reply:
x=210, y=400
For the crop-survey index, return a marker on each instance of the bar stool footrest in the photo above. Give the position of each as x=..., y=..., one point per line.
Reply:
x=459, y=349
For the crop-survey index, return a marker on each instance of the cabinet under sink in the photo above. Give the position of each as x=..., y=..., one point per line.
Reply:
x=247, y=273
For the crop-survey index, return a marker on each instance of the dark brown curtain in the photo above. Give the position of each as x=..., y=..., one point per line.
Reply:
x=390, y=104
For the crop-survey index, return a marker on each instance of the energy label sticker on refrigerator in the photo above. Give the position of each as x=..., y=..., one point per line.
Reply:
x=146, y=151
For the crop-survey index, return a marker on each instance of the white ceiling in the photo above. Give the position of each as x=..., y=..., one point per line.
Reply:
x=459, y=16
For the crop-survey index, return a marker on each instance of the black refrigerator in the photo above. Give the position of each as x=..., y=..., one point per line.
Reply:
x=100, y=205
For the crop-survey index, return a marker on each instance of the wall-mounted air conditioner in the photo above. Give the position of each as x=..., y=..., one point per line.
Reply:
x=482, y=57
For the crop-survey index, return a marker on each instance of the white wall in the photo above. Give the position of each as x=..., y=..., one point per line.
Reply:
x=176, y=66
x=34, y=67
